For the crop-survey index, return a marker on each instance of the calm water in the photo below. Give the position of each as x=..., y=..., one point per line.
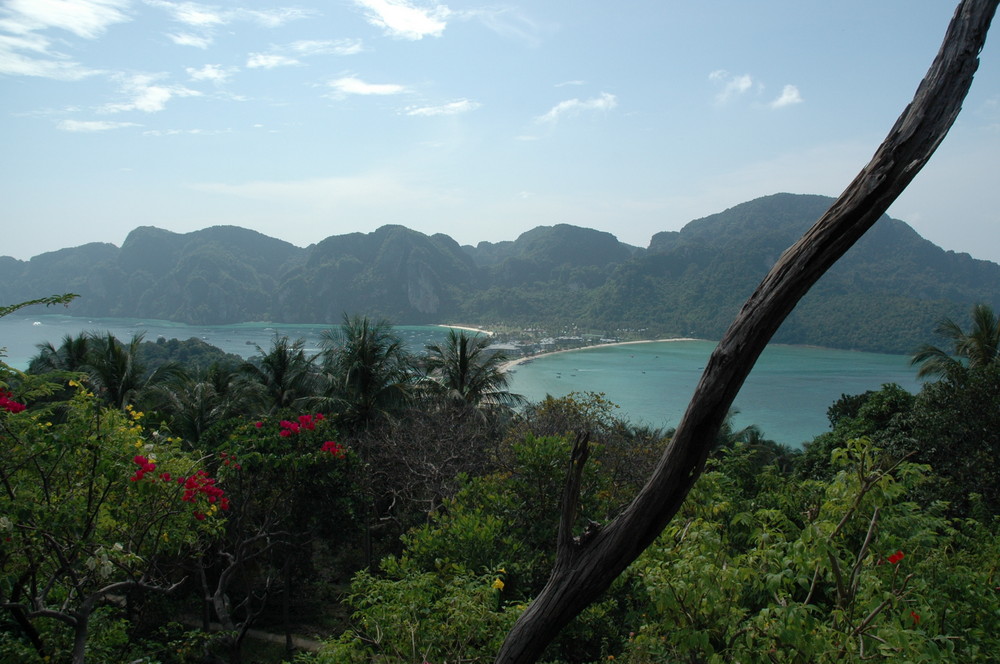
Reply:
x=20, y=333
x=787, y=394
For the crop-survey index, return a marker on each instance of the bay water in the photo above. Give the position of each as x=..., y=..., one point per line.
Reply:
x=786, y=395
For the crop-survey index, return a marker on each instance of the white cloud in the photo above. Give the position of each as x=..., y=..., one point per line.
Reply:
x=507, y=22
x=188, y=39
x=269, y=61
x=453, y=108
x=17, y=64
x=84, y=18
x=26, y=52
x=604, y=102
x=732, y=85
x=273, y=18
x=400, y=18
x=147, y=96
x=327, y=47
x=205, y=19
x=93, y=125
x=190, y=13
x=285, y=56
x=207, y=16
x=189, y=132
x=214, y=73
x=351, y=85
x=789, y=96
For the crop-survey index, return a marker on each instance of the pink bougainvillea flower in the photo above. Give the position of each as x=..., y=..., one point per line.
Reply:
x=7, y=403
x=333, y=448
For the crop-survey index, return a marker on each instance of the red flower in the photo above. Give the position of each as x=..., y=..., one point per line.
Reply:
x=896, y=557
x=333, y=448
x=199, y=516
x=285, y=433
x=258, y=424
x=9, y=404
x=916, y=617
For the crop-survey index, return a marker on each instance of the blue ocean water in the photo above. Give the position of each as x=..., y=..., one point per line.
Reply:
x=21, y=333
x=787, y=394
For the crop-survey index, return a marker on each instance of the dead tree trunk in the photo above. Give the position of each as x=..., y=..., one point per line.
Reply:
x=586, y=566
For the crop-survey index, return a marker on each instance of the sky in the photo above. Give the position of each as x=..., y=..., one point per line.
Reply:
x=477, y=119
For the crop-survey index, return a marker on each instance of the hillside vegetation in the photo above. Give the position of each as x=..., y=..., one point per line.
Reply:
x=885, y=295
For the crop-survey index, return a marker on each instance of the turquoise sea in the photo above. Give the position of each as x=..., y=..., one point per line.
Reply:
x=787, y=394
x=21, y=333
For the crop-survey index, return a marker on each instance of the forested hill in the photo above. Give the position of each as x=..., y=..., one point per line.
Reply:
x=886, y=294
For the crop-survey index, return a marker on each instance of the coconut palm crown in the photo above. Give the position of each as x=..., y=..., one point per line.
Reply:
x=977, y=347
x=466, y=370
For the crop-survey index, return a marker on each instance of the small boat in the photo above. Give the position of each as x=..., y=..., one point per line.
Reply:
x=37, y=323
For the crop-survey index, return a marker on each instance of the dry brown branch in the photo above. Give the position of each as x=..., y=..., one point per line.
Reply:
x=909, y=144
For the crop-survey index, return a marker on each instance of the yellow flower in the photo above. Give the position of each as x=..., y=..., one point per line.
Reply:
x=498, y=584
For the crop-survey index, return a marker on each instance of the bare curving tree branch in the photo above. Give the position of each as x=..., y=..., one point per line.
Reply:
x=586, y=566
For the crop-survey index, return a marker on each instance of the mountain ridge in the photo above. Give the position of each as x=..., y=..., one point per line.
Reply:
x=885, y=294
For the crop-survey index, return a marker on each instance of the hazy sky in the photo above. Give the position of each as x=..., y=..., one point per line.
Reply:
x=478, y=119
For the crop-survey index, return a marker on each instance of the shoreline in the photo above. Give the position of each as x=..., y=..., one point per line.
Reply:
x=467, y=328
x=510, y=364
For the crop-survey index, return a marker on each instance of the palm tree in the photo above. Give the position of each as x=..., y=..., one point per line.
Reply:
x=71, y=355
x=285, y=373
x=368, y=370
x=196, y=402
x=466, y=370
x=118, y=374
x=978, y=347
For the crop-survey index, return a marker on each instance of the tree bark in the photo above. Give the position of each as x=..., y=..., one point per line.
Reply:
x=587, y=566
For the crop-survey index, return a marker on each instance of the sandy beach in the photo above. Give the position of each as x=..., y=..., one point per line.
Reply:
x=507, y=366
x=467, y=328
